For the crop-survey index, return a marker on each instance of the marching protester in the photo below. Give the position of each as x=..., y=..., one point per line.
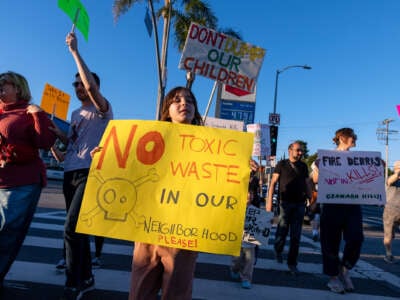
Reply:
x=391, y=213
x=340, y=221
x=242, y=266
x=88, y=123
x=24, y=129
x=98, y=240
x=294, y=190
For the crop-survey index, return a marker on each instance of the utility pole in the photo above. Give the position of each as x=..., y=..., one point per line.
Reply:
x=383, y=134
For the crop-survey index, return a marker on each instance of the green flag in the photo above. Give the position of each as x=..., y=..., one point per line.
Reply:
x=78, y=14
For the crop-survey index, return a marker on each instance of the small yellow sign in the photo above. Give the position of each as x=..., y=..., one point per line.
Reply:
x=181, y=186
x=55, y=101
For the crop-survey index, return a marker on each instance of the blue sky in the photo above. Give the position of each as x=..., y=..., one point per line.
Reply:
x=352, y=46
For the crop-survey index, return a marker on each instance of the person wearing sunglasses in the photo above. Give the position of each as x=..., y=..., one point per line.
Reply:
x=88, y=123
x=294, y=189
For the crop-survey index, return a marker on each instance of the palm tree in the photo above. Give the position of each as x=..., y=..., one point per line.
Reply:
x=193, y=11
x=122, y=6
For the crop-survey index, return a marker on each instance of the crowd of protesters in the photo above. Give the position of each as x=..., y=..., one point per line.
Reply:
x=25, y=128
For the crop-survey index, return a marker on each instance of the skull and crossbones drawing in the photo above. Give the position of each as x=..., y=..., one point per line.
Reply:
x=117, y=198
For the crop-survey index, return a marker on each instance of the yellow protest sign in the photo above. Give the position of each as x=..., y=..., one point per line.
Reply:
x=55, y=101
x=176, y=185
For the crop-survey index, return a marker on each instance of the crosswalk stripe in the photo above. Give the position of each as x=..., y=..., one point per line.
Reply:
x=370, y=271
x=108, y=248
x=361, y=270
x=203, y=288
x=210, y=289
x=47, y=273
x=53, y=227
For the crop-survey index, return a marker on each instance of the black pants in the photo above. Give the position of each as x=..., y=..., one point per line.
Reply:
x=77, y=245
x=337, y=221
x=290, y=218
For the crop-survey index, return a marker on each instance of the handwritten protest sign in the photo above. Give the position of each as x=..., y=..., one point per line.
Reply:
x=257, y=225
x=78, y=15
x=351, y=177
x=261, y=146
x=221, y=57
x=176, y=185
x=55, y=101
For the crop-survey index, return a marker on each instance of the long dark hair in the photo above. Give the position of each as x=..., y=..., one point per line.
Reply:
x=169, y=98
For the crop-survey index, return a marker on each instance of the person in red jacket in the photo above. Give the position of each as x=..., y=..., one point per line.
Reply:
x=24, y=129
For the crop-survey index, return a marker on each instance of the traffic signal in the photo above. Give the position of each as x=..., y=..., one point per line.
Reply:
x=273, y=135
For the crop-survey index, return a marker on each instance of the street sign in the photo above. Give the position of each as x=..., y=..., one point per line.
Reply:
x=274, y=119
x=237, y=110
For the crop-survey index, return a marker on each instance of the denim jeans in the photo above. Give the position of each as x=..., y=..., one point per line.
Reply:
x=244, y=264
x=17, y=207
x=77, y=245
x=290, y=218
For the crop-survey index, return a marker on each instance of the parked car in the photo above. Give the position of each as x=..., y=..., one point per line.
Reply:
x=56, y=174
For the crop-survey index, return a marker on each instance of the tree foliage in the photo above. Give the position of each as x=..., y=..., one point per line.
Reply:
x=180, y=16
x=122, y=6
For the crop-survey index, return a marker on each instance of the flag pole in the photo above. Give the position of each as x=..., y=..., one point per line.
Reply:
x=75, y=19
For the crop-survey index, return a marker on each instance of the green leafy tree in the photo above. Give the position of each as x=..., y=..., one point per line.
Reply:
x=191, y=11
x=310, y=159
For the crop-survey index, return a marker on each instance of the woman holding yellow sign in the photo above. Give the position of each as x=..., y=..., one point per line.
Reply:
x=157, y=267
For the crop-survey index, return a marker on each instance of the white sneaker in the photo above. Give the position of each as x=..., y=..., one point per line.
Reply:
x=346, y=280
x=389, y=259
x=336, y=285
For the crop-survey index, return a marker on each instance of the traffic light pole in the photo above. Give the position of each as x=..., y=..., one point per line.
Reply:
x=273, y=137
x=276, y=98
x=275, y=120
x=276, y=89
